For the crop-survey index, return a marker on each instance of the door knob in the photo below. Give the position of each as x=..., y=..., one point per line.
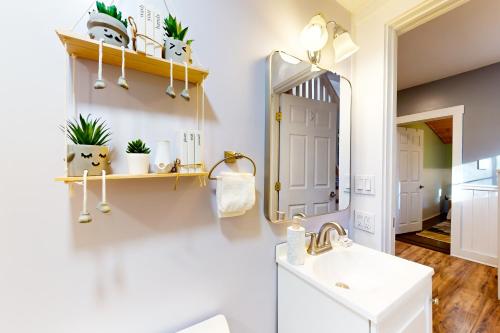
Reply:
x=421, y=187
x=332, y=195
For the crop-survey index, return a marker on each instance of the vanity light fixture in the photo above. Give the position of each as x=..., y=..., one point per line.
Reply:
x=314, y=37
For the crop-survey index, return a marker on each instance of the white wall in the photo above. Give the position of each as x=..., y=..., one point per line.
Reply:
x=436, y=181
x=368, y=109
x=161, y=260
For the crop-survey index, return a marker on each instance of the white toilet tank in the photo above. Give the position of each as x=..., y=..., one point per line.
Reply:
x=217, y=324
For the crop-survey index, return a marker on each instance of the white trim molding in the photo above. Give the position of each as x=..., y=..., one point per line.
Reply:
x=434, y=114
x=419, y=15
x=457, y=113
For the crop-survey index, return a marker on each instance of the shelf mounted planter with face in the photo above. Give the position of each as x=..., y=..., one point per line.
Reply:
x=88, y=149
x=175, y=47
x=93, y=158
x=106, y=24
x=177, y=50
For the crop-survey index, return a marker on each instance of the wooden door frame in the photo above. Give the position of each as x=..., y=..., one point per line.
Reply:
x=457, y=114
x=411, y=19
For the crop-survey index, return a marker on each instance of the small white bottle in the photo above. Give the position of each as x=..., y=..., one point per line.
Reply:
x=296, y=238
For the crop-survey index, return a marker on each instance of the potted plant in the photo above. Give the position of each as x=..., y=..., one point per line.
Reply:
x=175, y=47
x=107, y=24
x=138, y=157
x=88, y=151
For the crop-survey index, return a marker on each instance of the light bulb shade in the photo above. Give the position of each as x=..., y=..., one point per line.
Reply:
x=344, y=47
x=314, y=35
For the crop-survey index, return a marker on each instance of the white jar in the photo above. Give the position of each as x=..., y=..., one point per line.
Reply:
x=163, y=159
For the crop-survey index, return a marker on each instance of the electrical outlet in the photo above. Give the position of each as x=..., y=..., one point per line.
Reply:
x=364, y=221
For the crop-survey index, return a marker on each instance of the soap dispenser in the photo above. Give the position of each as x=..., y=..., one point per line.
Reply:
x=296, y=238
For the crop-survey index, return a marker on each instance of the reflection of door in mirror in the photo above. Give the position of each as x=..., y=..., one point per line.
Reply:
x=308, y=140
x=308, y=168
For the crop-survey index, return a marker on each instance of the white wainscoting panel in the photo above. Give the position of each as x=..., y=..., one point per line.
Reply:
x=478, y=229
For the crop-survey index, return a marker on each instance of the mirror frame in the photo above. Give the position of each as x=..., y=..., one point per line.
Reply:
x=272, y=140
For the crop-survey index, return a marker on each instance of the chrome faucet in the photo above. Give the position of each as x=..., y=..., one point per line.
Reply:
x=320, y=242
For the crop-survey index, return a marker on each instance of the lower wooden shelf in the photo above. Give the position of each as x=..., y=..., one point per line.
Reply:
x=67, y=180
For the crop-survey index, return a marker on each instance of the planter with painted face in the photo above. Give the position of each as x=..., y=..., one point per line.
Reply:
x=109, y=29
x=87, y=157
x=177, y=50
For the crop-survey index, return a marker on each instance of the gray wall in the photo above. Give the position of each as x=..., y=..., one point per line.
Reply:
x=479, y=91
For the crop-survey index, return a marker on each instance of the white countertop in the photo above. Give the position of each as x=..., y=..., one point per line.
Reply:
x=377, y=280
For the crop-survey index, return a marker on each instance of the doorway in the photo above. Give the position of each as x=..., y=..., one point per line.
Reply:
x=413, y=225
x=424, y=177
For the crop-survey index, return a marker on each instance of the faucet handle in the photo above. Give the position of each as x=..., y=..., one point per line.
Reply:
x=312, y=248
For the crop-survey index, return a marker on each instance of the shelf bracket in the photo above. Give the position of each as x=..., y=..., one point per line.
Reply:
x=176, y=182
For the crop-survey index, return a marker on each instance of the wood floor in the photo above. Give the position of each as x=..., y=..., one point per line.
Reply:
x=467, y=291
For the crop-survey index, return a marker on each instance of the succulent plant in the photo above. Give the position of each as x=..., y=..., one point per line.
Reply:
x=137, y=147
x=175, y=30
x=111, y=11
x=87, y=131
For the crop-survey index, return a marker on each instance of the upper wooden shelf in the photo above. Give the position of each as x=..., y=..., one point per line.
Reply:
x=202, y=174
x=84, y=47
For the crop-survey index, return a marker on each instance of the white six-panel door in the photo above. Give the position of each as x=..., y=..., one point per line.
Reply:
x=308, y=134
x=411, y=165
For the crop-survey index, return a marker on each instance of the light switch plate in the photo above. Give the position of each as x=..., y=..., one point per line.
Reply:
x=364, y=184
x=364, y=221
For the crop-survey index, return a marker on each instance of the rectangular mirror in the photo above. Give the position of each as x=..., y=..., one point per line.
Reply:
x=308, y=139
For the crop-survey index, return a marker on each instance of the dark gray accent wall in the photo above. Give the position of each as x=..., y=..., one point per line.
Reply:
x=479, y=92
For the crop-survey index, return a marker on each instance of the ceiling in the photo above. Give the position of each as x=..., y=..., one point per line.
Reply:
x=353, y=6
x=461, y=40
x=443, y=128
x=361, y=7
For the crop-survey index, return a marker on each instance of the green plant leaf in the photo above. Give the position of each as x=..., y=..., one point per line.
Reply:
x=111, y=11
x=174, y=29
x=87, y=131
x=182, y=34
x=137, y=147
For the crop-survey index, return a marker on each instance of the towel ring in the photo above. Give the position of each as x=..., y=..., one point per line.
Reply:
x=231, y=157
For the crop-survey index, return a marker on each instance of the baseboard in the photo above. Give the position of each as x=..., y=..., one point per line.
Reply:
x=431, y=217
x=477, y=258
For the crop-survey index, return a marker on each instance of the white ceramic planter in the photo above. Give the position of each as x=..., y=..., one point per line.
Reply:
x=107, y=28
x=138, y=164
x=177, y=50
x=87, y=157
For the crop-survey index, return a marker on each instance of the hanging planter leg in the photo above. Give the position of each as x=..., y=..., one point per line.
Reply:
x=99, y=83
x=122, y=82
x=185, y=91
x=84, y=215
x=170, y=89
x=103, y=206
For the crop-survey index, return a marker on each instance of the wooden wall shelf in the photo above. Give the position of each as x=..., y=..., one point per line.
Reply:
x=84, y=47
x=67, y=180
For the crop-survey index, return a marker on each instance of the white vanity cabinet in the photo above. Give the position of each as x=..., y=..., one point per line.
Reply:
x=386, y=294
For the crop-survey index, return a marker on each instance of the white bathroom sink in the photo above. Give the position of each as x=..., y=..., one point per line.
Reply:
x=367, y=281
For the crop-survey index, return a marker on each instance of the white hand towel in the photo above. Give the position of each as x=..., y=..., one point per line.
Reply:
x=235, y=193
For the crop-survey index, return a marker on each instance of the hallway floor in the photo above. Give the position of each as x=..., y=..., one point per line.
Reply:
x=467, y=291
x=431, y=244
